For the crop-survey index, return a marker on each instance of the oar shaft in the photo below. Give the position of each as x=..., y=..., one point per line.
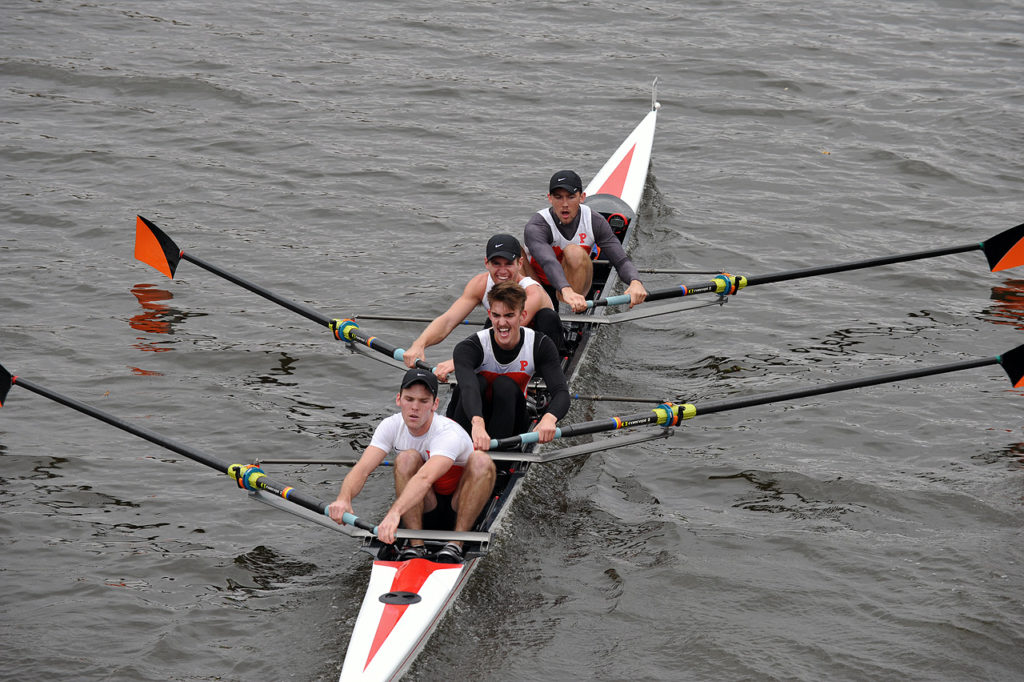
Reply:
x=764, y=398
x=582, y=429
x=151, y=436
x=1012, y=362
x=304, y=310
x=263, y=482
x=719, y=284
x=294, y=306
x=356, y=334
x=858, y=265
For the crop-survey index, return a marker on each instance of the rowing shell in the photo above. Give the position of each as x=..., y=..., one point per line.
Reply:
x=405, y=600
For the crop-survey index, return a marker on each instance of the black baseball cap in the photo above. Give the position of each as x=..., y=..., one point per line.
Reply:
x=565, y=179
x=504, y=245
x=420, y=376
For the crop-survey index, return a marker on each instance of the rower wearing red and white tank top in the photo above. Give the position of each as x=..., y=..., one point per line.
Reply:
x=559, y=241
x=493, y=368
x=502, y=263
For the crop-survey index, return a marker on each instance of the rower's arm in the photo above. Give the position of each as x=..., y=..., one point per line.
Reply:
x=537, y=236
x=550, y=368
x=443, y=325
x=611, y=249
x=536, y=299
x=354, y=481
x=413, y=493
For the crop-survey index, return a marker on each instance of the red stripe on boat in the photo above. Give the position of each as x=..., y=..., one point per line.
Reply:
x=617, y=180
x=410, y=578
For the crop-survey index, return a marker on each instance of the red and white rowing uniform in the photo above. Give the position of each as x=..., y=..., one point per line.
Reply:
x=584, y=237
x=444, y=438
x=524, y=282
x=519, y=370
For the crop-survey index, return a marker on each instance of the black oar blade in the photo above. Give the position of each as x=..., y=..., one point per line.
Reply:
x=6, y=381
x=1006, y=249
x=1013, y=362
x=155, y=248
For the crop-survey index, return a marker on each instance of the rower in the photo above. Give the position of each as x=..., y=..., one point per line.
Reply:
x=502, y=263
x=440, y=479
x=561, y=241
x=494, y=366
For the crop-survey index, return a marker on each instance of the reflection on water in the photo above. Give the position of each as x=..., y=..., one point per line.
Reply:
x=1009, y=304
x=156, y=318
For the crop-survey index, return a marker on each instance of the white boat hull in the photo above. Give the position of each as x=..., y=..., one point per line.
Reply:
x=403, y=601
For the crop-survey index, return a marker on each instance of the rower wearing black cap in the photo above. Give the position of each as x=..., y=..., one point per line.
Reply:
x=562, y=239
x=503, y=263
x=441, y=481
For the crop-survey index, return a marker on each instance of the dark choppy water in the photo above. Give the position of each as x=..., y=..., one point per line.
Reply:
x=353, y=156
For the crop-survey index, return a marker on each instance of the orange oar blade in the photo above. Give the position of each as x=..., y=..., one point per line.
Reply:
x=1013, y=362
x=155, y=248
x=1006, y=249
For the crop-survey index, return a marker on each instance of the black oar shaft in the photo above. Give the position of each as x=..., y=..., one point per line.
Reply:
x=264, y=482
x=151, y=436
x=858, y=265
x=1012, y=362
x=385, y=347
x=294, y=306
x=764, y=398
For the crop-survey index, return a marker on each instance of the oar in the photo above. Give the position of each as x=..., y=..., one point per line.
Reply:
x=155, y=248
x=670, y=415
x=1003, y=251
x=247, y=476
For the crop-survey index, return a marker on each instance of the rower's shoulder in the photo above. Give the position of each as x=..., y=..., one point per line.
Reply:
x=476, y=286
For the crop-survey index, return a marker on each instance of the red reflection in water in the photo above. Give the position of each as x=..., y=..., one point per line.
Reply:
x=153, y=320
x=1009, y=303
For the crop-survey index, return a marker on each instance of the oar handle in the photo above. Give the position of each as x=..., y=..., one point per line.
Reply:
x=353, y=520
x=722, y=284
x=666, y=413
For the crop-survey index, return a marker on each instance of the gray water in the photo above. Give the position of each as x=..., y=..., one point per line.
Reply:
x=356, y=156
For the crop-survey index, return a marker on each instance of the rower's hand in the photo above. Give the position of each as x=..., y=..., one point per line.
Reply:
x=574, y=300
x=387, y=527
x=339, y=507
x=415, y=353
x=546, y=428
x=481, y=439
x=637, y=293
x=444, y=369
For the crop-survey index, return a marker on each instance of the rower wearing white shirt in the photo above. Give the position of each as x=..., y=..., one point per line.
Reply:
x=439, y=477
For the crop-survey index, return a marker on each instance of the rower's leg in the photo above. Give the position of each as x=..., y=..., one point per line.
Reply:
x=407, y=463
x=474, y=490
x=456, y=411
x=506, y=415
x=578, y=267
x=549, y=323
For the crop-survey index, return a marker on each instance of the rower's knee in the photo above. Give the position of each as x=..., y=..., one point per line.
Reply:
x=504, y=391
x=480, y=465
x=576, y=256
x=407, y=463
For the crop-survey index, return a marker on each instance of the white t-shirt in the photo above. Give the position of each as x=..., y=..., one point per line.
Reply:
x=444, y=437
